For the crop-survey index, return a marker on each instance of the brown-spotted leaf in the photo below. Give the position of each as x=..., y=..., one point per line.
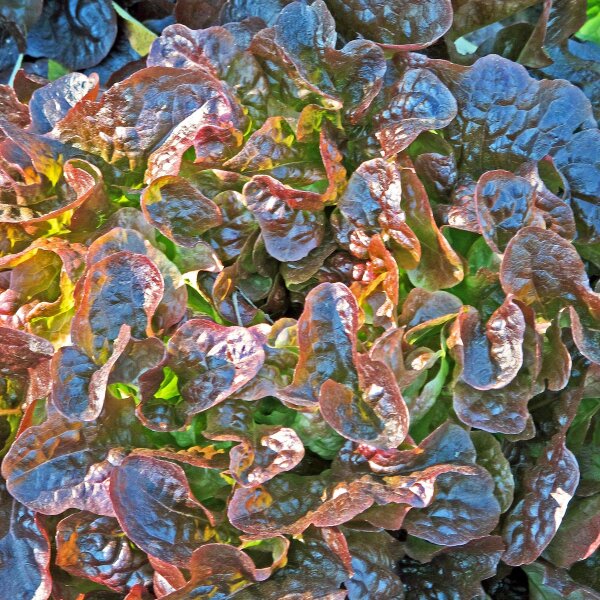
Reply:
x=419, y=102
x=157, y=511
x=263, y=452
x=24, y=551
x=123, y=288
x=546, y=490
x=179, y=210
x=95, y=547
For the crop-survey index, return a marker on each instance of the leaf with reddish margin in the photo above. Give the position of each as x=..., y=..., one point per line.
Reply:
x=172, y=305
x=78, y=385
x=302, y=44
x=228, y=239
x=22, y=351
x=314, y=570
x=504, y=204
x=134, y=120
x=578, y=536
x=400, y=24
x=213, y=49
x=157, y=511
x=464, y=508
x=504, y=410
x=471, y=15
x=123, y=288
x=50, y=103
x=292, y=222
x=263, y=452
x=376, y=288
x=421, y=306
x=372, y=204
x=374, y=560
x=419, y=102
x=61, y=464
x=543, y=270
x=211, y=362
x=546, y=490
x=217, y=571
x=290, y=503
x=490, y=358
x=452, y=572
x=448, y=443
x=375, y=414
x=439, y=265
x=559, y=20
x=578, y=162
x=11, y=109
x=326, y=341
x=520, y=105
x=95, y=547
x=24, y=551
x=274, y=149
x=138, y=357
x=358, y=70
x=81, y=184
x=179, y=210
x=220, y=51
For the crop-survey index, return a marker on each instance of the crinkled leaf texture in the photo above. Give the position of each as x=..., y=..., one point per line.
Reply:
x=304, y=303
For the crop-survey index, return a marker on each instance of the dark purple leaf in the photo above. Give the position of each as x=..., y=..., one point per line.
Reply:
x=95, y=547
x=76, y=33
x=24, y=551
x=157, y=511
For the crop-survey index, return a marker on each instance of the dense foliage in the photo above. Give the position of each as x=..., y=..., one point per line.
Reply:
x=299, y=300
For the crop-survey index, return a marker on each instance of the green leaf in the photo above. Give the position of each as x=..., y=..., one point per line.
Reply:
x=56, y=70
x=139, y=36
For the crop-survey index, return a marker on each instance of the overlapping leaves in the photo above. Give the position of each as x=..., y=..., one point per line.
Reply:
x=305, y=304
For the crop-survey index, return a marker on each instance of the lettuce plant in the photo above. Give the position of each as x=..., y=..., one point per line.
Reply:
x=299, y=300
